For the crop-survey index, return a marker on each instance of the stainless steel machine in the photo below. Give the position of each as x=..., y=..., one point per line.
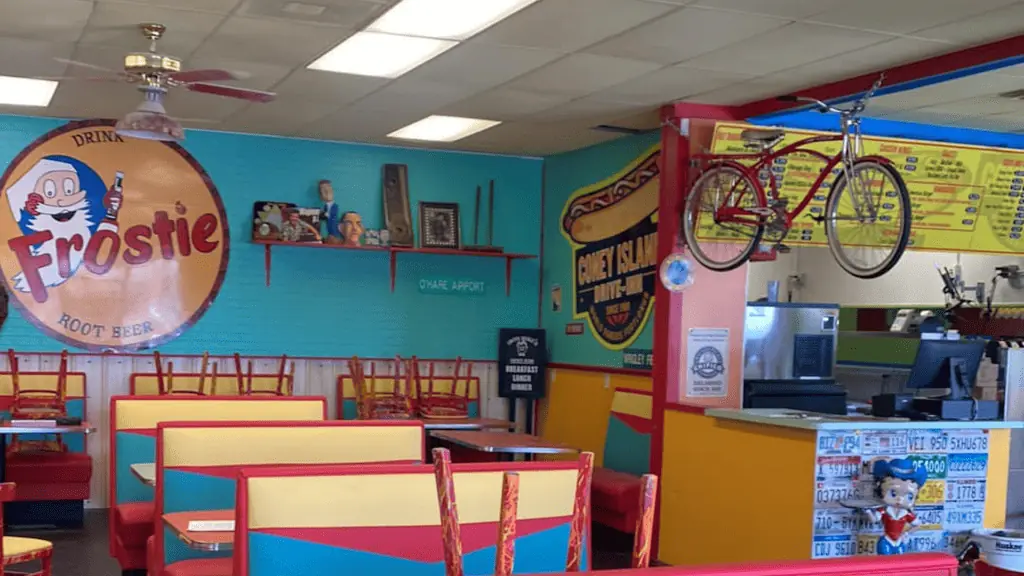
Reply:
x=789, y=357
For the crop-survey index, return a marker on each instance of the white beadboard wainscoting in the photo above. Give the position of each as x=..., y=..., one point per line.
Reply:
x=108, y=375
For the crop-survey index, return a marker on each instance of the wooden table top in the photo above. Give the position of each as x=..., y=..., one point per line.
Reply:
x=205, y=541
x=502, y=442
x=466, y=424
x=7, y=427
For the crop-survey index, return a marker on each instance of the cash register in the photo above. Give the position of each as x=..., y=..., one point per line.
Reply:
x=941, y=364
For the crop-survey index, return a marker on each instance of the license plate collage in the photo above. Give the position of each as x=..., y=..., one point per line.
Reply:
x=950, y=504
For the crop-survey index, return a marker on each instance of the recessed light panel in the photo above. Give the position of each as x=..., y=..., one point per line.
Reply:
x=16, y=91
x=446, y=19
x=381, y=55
x=443, y=128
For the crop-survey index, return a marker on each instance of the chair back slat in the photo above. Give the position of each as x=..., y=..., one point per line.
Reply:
x=581, y=507
x=450, y=530
x=505, y=555
x=645, y=522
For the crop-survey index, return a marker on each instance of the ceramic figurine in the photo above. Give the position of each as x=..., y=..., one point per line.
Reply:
x=330, y=213
x=897, y=483
x=351, y=229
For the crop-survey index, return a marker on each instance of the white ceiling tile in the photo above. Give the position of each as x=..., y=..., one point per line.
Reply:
x=35, y=58
x=785, y=47
x=503, y=104
x=257, y=75
x=581, y=74
x=1012, y=122
x=181, y=103
x=668, y=85
x=49, y=20
x=215, y=6
x=980, y=106
x=872, y=58
x=273, y=41
x=358, y=125
x=1017, y=71
x=980, y=29
x=922, y=117
x=958, y=89
x=589, y=110
x=795, y=9
x=278, y=117
x=354, y=14
x=413, y=96
x=483, y=65
x=94, y=99
x=745, y=92
x=339, y=89
x=686, y=33
x=111, y=57
x=905, y=17
x=535, y=139
x=570, y=25
x=117, y=25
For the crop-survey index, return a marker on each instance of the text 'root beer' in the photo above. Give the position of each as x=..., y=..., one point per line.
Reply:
x=110, y=243
x=613, y=231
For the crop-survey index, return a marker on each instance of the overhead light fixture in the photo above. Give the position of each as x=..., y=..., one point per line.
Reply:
x=17, y=91
x=380, y=55
x=443, y=128
x=445, y=19
x=150, y=121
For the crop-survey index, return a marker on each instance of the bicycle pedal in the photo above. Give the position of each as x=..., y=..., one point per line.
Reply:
x=818, y=219
x=782, y=248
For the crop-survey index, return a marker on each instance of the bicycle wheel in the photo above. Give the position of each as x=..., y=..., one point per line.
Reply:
x=722, y=245
x=868, y=224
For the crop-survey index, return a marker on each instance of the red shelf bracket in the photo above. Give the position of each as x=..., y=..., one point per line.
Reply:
x=266, y=263
x=394, y=266
x=508, y=276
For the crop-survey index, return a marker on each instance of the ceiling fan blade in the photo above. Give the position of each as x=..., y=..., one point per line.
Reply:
x=86, y=65
x=231, y=92
x=197, y=120
x=190, y=76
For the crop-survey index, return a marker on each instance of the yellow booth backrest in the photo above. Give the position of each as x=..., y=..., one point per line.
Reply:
x=147, y=384
x=196, y=444
x=144, y=413
x=74, y=383
x=442, y=384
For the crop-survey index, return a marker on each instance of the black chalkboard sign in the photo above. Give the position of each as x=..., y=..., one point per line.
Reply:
x=522, y=362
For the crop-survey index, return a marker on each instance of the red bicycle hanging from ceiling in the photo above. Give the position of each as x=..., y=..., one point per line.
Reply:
x=867, y=216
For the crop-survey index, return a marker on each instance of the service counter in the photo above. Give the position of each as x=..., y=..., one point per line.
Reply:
x=766, y=485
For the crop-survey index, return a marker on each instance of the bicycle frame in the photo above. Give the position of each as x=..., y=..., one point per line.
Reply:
x=850, y=136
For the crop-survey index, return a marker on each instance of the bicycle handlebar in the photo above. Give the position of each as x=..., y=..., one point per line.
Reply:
x=858, y=106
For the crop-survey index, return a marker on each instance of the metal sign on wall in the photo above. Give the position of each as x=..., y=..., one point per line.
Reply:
x=612, y=229
x=522, y=362
x=109, y=243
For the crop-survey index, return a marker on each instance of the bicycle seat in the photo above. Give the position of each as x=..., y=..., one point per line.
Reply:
x=763, y=138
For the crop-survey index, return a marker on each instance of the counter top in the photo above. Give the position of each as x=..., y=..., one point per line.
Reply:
x=816, y=421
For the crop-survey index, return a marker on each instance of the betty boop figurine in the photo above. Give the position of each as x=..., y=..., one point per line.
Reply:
x=897, y=483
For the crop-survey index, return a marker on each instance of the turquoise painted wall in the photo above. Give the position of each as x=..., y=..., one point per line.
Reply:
x=338, y=302
x=563, y=175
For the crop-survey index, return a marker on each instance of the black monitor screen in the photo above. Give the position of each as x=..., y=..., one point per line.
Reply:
x=931, y=366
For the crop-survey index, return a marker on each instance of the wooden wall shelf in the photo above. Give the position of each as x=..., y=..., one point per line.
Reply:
x=394, y=251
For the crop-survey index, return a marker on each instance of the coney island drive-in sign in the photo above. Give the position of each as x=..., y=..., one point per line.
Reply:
x=109, y=243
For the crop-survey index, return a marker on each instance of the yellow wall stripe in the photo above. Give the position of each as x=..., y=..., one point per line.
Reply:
x=639, y=405
x=227, y=385
x=723, y=478
x=387, y=384
x=997, y=478
x=75, y=383
x=138, y=414
x=355, y=500
x=229, y=446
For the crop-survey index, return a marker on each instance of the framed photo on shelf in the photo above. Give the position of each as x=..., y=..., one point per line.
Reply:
x=439, y=225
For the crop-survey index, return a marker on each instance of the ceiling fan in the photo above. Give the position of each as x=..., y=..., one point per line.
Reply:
x=155, y=73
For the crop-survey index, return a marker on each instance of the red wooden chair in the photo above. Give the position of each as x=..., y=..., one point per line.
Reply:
x=645, y=522
x=166, y=385
x=373, y=404
x=16, y=550
x=285, y=383
x=580, y=512
x=38, y=404
x=438, y=404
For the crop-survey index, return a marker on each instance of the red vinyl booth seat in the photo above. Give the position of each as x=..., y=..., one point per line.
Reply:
x=134, y=524
x=201, y=567
x=615, y=499
x=50, y=475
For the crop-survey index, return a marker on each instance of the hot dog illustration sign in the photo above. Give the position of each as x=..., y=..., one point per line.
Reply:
x=109, y=243
x=612, y=228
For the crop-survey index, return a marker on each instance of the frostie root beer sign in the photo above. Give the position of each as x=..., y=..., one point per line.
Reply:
x=612, y=229
x=109, y=243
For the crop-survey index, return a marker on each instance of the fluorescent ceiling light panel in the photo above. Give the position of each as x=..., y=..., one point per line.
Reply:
x=26, y=91
x=447, y=19
x=381, y=55
x=443, y=128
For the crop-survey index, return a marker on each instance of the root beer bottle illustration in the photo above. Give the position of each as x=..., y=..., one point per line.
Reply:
x=113, y=203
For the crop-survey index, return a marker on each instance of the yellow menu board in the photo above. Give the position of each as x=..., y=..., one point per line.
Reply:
x=963, y=198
